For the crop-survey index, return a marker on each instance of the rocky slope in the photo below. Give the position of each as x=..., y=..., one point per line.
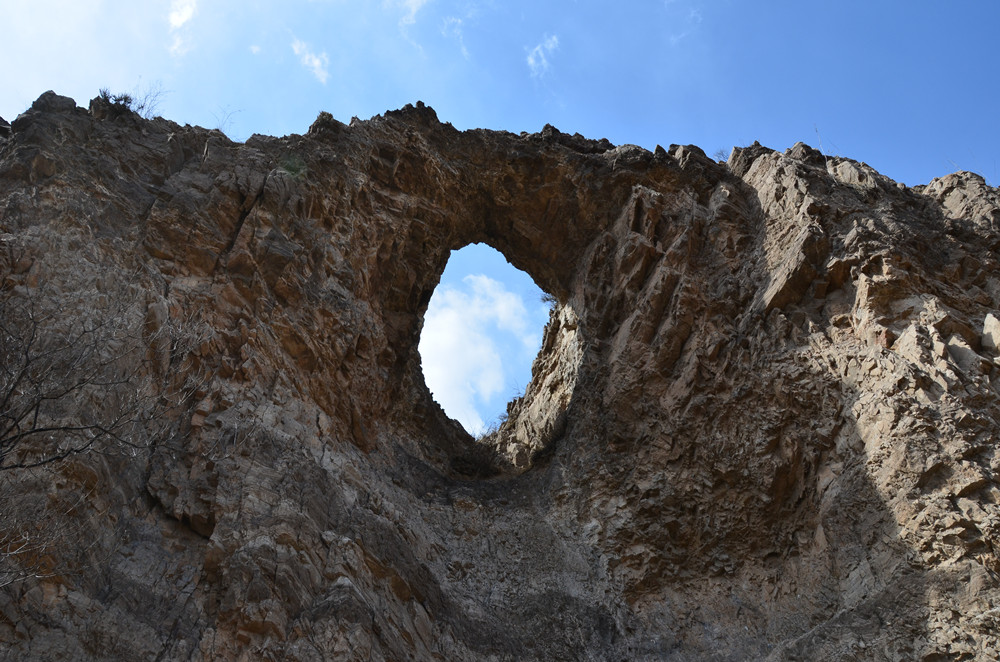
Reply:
x=763, y=424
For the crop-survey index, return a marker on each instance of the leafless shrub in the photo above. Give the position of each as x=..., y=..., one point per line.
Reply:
x=40, y=525
x=224, y=119
x=91, y=362
x=73, y=369
x=144, y=102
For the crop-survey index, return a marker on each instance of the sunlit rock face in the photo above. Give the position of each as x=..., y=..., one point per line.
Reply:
x=762, y=425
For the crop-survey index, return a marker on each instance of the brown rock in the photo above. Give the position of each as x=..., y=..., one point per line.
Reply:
x=762, y=424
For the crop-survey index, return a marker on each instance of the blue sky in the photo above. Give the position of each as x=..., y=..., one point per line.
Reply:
x=908, y=87
x=482, y=330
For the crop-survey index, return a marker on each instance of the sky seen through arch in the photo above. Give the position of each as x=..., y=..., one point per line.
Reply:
x=481, y=333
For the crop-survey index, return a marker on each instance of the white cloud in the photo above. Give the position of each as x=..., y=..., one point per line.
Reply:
x=503, y=308
x=181, y=13
x=462, y=345
x=538, y=57
x=690, y=23
x=452, y=27
x=255, y=49
x=411, y=7
x=317, y=64
x=179, y=46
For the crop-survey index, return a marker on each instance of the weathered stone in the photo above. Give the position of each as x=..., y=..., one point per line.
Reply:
x=762, y=424
x=991, y=333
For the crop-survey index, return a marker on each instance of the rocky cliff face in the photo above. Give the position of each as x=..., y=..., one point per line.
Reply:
x=763, y=424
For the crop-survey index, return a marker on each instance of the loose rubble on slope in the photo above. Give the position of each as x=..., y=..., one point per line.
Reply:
x=762, y=426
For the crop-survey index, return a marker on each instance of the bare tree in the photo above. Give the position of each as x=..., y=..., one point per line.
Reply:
x=85, y=367
x=73, y=373
x=39, y=525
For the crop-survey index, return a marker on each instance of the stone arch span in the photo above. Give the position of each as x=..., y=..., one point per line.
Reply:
x=685, y=277
x=553, y=205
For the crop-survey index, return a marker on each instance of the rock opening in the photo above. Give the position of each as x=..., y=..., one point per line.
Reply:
x=481, y=332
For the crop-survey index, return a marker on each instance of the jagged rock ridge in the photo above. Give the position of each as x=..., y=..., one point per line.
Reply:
x=763, y=424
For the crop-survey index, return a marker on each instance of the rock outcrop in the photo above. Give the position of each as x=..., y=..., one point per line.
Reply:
x=763, y=423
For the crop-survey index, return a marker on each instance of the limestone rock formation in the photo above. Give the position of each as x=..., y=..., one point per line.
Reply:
x=763, y=424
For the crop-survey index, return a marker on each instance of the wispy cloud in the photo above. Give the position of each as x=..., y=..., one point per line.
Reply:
x=181, y=13
x=688, y=25
x=410, y=9
x=538, y=57
x=316, y=63
x=452, y=27
x=461, y=345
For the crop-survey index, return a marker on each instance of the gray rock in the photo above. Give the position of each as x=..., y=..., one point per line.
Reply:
x=758, y=428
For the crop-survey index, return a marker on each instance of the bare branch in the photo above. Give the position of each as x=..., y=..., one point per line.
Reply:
x=87, y=369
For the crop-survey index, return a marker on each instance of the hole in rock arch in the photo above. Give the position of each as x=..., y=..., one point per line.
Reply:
x=482, y=331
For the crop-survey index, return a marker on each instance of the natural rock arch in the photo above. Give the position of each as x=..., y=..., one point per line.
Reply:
x=542, y=207
x=780, y=441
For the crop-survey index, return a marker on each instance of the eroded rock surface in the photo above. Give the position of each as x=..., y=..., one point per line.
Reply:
x=763, y=424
